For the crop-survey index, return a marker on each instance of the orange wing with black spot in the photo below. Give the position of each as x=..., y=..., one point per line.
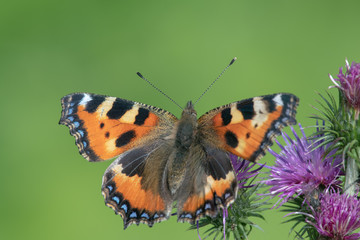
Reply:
x=104, y=127
x=247, y=128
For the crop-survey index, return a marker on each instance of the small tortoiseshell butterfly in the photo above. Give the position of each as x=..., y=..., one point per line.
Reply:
x=162, y=159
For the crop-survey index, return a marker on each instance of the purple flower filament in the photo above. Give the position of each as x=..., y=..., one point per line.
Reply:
x=299, y=168
x=338, y=217
x=349, y=84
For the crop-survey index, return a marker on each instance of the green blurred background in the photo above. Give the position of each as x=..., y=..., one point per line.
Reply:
x=51, y=48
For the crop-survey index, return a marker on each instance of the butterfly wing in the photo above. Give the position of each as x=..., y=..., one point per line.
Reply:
x=210, y=184
x=104, y=127
x=134, y=187
x=246, y=128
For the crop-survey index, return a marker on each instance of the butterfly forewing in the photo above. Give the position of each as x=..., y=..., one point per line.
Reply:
x=247, y=128
x=104, y=127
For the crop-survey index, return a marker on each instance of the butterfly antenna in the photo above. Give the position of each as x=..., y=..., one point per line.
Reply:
x=232, y=61
x=142, y=77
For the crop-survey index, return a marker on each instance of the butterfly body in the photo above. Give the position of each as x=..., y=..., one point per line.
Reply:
x=185, y=134
x=161, y=160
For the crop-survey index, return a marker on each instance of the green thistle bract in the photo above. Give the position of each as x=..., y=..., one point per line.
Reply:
x=341, y=127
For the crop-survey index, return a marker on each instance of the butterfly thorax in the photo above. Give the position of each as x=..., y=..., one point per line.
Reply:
x=186, y=128
x=184, y=139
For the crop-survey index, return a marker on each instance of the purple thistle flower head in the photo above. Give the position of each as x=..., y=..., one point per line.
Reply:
x=299, y=168
x=338, y=216
x=243, y=170
x=349, y=84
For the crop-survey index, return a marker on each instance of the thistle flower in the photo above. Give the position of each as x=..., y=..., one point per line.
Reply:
x=349, y=84
x=343, y=125
x=302, y=166
x=338, y=216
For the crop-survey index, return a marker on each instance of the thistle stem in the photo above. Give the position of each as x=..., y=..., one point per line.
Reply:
x=351, y=177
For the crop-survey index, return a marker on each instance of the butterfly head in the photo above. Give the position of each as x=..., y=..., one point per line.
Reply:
x=189, y=111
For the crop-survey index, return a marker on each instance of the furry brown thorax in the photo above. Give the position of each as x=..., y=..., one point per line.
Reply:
x=186, y=130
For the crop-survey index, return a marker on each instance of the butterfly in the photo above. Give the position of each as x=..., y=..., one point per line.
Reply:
x=161, y=160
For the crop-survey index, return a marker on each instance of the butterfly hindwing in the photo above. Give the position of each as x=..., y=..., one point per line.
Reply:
x=212, y=185
x=246, y=128
x=104, y=127
x=133, y=185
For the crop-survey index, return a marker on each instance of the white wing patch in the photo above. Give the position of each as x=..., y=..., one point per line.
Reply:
x=85, y=99
x=278, y=100
x=261, y=113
